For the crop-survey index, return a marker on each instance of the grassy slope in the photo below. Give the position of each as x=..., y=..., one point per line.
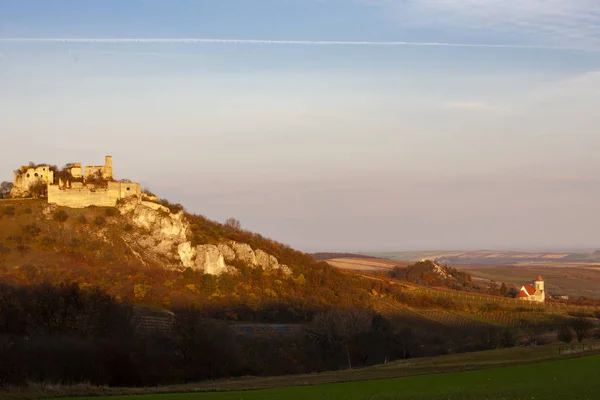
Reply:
x=565, y=379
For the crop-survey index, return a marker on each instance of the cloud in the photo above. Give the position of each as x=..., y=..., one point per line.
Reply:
x=274, y=42
x=571, y=23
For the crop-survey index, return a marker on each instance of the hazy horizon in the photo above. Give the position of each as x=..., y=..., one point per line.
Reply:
x=473, y=127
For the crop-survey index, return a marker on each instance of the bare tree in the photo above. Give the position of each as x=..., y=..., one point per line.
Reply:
x=233, y=224
x=38, y=189
x=582, y=327
x=5, y=188
x=336, y=328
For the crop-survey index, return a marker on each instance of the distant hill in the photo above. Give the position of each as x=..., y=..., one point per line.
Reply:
x=489, y=257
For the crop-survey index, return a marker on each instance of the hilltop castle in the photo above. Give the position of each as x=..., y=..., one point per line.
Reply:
x=533, y=293
x=74, y=186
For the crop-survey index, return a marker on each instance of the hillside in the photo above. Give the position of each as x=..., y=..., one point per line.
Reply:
x=137, y=255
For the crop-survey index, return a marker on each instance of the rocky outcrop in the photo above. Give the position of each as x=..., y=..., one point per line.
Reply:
x=187, y=254
x=214, y=259
x=244, y=253
x=227, y=251
x=165, y=231
x=210, y=260
x=167, y=235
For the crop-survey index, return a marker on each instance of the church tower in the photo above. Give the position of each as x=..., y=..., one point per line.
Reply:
x=539, y=287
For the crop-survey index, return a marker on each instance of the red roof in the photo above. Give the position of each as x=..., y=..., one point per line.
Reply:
x=539, y=279
x=522, y=294
x=530, y=289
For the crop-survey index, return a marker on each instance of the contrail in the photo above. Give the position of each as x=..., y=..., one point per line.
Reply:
x=279, y=42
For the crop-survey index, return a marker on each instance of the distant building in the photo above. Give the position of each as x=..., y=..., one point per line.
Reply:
x=533, y=293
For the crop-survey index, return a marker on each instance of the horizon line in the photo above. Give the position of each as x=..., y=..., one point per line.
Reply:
x=287, y=42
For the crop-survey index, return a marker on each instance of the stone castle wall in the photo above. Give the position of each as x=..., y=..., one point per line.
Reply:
x=29, y=177
x=86, y=196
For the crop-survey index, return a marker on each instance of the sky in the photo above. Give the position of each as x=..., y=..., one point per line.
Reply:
x=330, y=125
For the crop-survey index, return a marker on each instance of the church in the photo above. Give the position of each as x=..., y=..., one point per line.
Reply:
x=533, y=293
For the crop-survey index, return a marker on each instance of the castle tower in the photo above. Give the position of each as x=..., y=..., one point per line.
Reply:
x=107, y=171
x=539, y=287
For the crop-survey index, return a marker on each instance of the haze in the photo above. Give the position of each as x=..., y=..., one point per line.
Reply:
x=485, y=137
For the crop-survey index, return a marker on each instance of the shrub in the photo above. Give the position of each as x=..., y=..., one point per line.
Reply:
x=128, y=228
x=565, y=334
x=4, y=249
x=174, y=208
x=31, y=231
x=110, y=212
x=82, y=219
x=28, y=210
x=10, y=210
x=47, y=241
x=99, y=220
x=61, y=216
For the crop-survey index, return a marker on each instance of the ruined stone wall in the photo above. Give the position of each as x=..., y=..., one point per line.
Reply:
x=84, y=196
x=129, y=189
x=105, y=171
x=30, y=176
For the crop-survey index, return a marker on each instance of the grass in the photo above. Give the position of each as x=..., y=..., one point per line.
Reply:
x=565, y=379
x=366, y=383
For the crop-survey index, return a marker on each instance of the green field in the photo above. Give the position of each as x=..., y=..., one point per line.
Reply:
x=575, y=378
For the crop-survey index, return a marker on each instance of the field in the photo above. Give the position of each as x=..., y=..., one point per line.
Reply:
x=572, y=281
x=574, y=378
x=418, y=378
x=561, y=273
x=365, y=264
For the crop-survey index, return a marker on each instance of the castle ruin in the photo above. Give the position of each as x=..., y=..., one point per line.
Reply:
x=74, y=186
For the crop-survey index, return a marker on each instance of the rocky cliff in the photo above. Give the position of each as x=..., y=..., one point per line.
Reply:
x=167, y=235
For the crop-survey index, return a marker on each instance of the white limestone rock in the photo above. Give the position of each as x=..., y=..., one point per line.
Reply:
x=244, y=253
x=210, y=260
x=187, y=254
x=273, y=262
x=228, y=252
x=262, y=259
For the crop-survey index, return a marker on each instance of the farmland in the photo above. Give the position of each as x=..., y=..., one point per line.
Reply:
x=573, y=281
x=562, y=275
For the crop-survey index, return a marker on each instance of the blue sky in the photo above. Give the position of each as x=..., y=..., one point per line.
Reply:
x=473, y=126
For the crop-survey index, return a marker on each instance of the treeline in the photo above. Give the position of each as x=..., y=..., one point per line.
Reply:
x=68, y=335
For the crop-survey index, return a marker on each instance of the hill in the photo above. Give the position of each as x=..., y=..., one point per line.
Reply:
x=488, y=257
x=159, y=255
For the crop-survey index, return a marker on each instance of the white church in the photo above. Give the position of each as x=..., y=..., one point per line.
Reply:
x=533, y=293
